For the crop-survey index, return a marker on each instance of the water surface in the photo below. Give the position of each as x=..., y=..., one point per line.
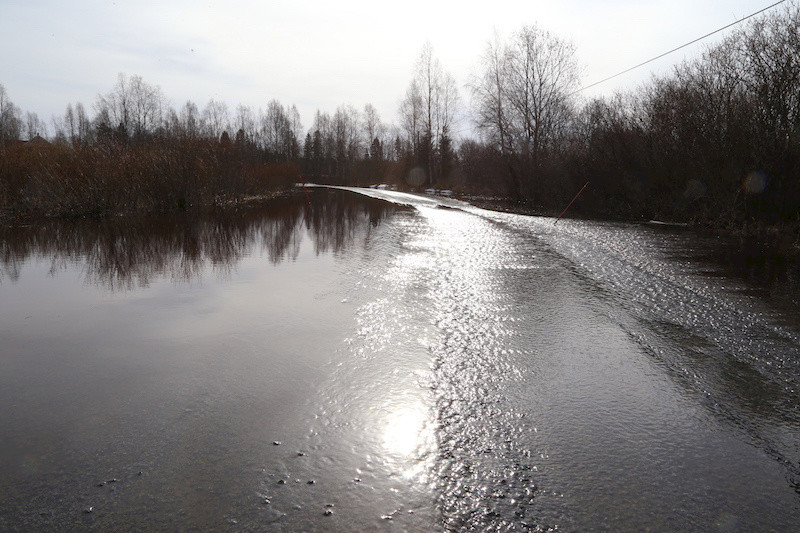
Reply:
x=367, y=360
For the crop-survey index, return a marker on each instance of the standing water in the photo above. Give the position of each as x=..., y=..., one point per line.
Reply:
x=347, y=362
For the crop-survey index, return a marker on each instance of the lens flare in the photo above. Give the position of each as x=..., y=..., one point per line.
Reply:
x=755, y=182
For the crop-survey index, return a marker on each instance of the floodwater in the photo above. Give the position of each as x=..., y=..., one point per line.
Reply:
x=356, y=360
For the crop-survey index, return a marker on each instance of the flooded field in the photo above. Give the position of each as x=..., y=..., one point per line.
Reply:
x=369, y=360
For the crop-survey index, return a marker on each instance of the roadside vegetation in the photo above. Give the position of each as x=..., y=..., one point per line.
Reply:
x=715, y=143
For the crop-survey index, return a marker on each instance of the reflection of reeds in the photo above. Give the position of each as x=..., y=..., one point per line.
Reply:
x=125, y=252
x=351, y=216
x=102, y=179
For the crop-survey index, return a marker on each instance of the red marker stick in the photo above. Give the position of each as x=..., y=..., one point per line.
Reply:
x=572, y=202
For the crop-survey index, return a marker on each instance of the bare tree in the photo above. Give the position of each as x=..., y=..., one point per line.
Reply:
x=295, y=127
x=523, y=99
x=245, y=123
x=322, y=146
x=323, y=126
x=373, y=132
x=279, y=130
x=438, y=92
x=84, y=125
x=411, y=109
x=74, y=127
x=771, y=53
x=70, y=125
x=34, y=126
x=147, y=106
x=543, y=74
x=392, y=147
x=428, y=111
x=10, y=121
x=346, y=129
x=215, y=118
x=490, y=97
x=133, y=104
x=771, y=57
x=190, y=120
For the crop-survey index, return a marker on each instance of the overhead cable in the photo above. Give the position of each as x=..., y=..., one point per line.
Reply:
x=679, y=47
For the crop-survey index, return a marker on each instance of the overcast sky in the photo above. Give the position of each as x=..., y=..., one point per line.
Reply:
x=320, y=54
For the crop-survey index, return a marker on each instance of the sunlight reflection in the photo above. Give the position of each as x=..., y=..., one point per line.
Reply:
x=403, y=433
x=408, y=436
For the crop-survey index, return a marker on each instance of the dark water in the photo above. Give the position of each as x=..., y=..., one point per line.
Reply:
x=341, y=362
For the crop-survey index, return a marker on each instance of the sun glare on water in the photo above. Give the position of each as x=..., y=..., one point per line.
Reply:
x=408, y=437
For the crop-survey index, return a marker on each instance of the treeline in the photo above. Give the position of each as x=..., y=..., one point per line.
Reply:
x=716, y=142
x=136, y=153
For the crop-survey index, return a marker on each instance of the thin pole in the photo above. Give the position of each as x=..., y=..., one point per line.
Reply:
x=570, y=204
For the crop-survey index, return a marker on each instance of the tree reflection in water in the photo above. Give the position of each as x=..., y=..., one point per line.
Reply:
x=124, y=253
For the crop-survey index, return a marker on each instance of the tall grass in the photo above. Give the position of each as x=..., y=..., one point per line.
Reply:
x=110, y=178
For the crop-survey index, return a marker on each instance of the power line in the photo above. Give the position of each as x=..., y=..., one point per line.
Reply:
x=679, y=47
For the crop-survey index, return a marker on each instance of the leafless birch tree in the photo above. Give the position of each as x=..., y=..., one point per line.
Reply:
x=10, y=121
x=428, y=111
x=523, y=97
x=134, y=104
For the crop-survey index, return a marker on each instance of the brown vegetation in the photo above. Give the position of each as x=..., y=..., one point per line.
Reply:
x=108, y=178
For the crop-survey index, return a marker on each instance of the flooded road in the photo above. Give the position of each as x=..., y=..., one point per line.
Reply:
x=369, y=360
